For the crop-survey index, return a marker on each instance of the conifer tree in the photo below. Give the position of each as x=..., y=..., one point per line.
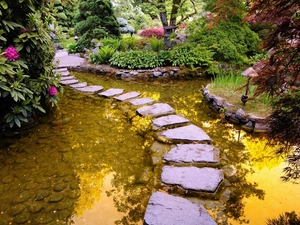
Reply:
x=95, y=19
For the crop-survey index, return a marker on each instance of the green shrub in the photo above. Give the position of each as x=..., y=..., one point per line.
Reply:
x=72, y=48
x=111, y=42
x=136, y=60
x=156, y=44
x=192, y=56
x=231, y=42
x=103, y=56
x=26, y=55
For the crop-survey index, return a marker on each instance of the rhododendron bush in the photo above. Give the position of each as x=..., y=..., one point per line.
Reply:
x=27, y=82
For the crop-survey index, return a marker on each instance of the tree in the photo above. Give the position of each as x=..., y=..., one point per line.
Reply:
x=95, y=19
x=173, y=13
x=279, y=76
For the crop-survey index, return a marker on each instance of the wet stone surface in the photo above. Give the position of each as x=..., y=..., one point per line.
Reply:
x=68, y=82
x=79, y=85
x=127, y=96
x=188, y=133
x=166, y=209
x=111, y=92
x=90, y=89
x=193, y=153
x=192, y=178
x=168, y=120
x=141, y=101
x=158, y=109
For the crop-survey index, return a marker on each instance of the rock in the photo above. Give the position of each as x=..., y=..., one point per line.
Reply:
x=16, y=210
x=192, y=178
x=187, y=133
x=35, y=207
x=59, y=186
x=79, y=85
x=193, y=153
x=127, y=96
x=157, y=109
x=21, y=219
x=157, y=74
x=68, y=82
x=41, y=195
x=67, y=78
x=230, y=172
x=240, y=114
x=141, y=101
x=56, y=197
x=164, y=209
x=218, y=100
x=111, y=92
x=169, y=120
x=90, y=89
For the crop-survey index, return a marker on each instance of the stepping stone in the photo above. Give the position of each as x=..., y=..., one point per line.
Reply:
x=168, y=120
x=193, y=153
x=127, y=96
x=67, y=78
x=60, y=70
x=187, y=133
x=79, y=85
x=111, y=92
x=65, y=73
x=192, y=178
x=165, y=209
x=141, y=101
x=90, y=89
x=157, y=109
x=68, y=82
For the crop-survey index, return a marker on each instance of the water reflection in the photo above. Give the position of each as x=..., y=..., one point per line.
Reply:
x=95, y=152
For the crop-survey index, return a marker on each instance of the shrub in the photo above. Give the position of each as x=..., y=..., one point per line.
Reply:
x=103, y=56
x=26, y=57
x=152, y=32
x=111, y=42
x=136, y=60
x=156, y=44
x=231, y=42
x=192, y=56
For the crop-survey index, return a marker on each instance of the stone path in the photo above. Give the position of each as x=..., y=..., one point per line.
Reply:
x=193, y=146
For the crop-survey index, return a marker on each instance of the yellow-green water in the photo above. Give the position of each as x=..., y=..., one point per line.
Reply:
x=89, y=163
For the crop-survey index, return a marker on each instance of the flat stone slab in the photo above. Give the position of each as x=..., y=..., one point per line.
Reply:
x=65, y=73
x=141, y=101
x=60, y=70
x=186, y=133
x=157, y=109
x=168, y=120
x=192, y=178
x=127, y=96
x=111, y=92
x=68, y=82
x=165, y=209
x=67, y=78
x=193, y=153
x=79, y=85
x=90, y=89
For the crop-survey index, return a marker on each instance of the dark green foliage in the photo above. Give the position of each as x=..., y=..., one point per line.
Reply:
x=136, y=60
x=103, y=56
x=95, y=20
x=25, y=80
x=284, y=120
x=231, y=42
x=288, y=218
x=192, y=56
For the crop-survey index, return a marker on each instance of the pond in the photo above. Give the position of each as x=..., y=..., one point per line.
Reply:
x=89, y=163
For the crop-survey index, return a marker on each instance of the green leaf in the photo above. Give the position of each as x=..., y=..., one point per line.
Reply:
x=4, y=4
x=17, y=121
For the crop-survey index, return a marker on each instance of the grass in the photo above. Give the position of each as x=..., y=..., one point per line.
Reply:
x=225, y=85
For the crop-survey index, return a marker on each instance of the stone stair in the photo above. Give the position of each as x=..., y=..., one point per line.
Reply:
x=165, y=208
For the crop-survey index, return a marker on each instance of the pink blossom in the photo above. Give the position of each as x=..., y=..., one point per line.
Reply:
x=52, y=91
x=11, y=53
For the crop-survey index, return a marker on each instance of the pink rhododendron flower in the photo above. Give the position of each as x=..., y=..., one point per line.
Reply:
x=52, y=91
x=11, y=53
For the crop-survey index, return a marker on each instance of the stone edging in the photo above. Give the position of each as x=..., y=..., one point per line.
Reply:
x=239, y=117
x=170, y=72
